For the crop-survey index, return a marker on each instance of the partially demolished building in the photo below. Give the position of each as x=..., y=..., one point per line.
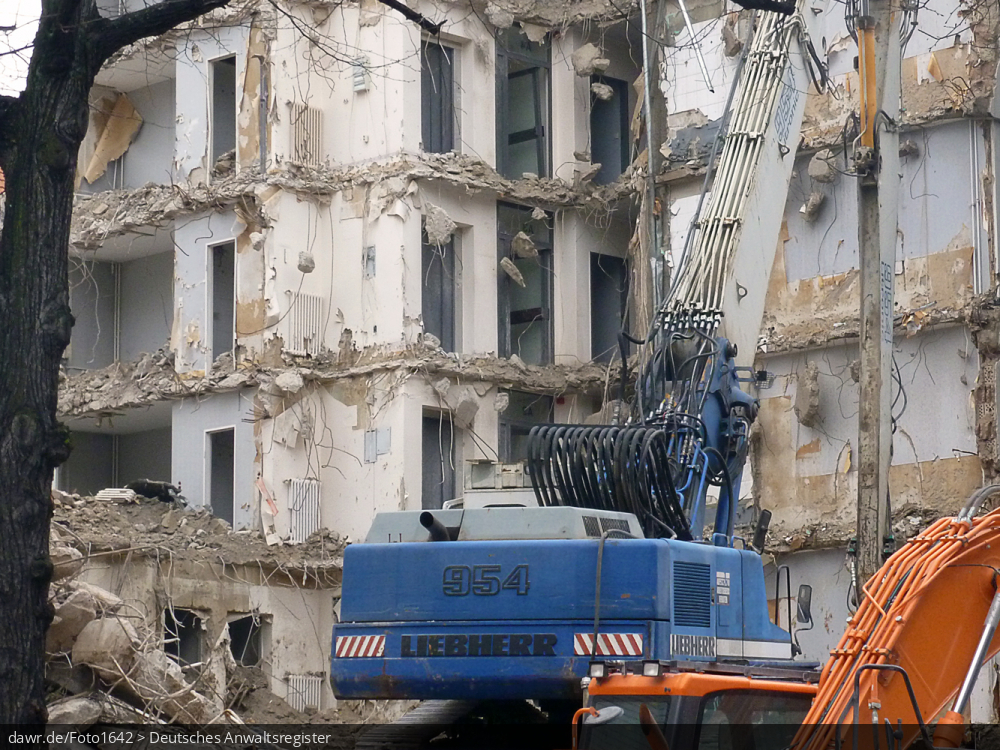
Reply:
x=324, y=259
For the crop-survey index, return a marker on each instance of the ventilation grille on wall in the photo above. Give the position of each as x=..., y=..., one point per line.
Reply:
x=305, y=320
x=304, y=691
x=692, y=594
x=359, y=74
x=307, y=135
x=303, y=509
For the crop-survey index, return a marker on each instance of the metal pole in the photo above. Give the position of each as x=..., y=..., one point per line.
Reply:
x=992, y=620
x=876, y=161
x=650, y=199
x=697, y=47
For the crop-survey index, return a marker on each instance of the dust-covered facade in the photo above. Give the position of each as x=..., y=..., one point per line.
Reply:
x=325, y=258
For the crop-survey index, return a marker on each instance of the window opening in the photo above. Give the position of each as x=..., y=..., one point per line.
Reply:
x=438, y=291
x=524, y=411
x=245, y=640
x=437, y=91
x=609, y=143
x=608, y=298
x=522, y=74
x=748, y=719
x=221, y=467
x=524, y=296
x=182, y=634
x=223, y=298
x=223, y=108
x=439, y=441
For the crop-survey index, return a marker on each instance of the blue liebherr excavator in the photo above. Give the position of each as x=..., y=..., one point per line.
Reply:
x=613, y=558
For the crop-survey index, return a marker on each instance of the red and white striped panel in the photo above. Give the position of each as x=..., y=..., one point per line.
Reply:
x=608, y=644
x=360, y=645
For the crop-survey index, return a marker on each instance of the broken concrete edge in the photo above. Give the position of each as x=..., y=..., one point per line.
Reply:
x=544, y=13
x=784, y=538
x=780, y=341
x=318, y=573
x=98, y=393
x=99, y=216
x=231, y=14
x=176, y=540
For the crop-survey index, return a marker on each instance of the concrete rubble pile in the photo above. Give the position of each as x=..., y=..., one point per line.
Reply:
x=106, y=659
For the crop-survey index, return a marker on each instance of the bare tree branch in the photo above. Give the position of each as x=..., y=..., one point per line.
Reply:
x=110, y=35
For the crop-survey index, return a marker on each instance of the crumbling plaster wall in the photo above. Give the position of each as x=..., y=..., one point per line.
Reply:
x=805, y=449
x=147, y=305
x=151, y=154
x=811, y=316
x=577, y=235
x=384, y=117
x=942, y=243
x=193, y=120
x=191, y=328
x=192, y=420
x=92, y=300
x=319, y=432
x=949, y=68
x=299, y=619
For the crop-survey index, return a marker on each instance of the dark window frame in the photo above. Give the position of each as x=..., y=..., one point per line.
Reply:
x=542, y=86
x=621, y=89
x=447, y=435
x=439, y=261
x=608, y=354
x=505, y=315
x=512, y=423
x=438, y=114
x=183, y=635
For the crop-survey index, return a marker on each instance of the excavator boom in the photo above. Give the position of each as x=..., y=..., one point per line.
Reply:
x=924, y=613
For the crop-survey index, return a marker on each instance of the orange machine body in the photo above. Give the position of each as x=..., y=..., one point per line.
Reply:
x=920, y=620
x=924, y=611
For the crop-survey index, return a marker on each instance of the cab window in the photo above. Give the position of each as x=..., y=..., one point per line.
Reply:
x=750, y=720
x=623, y=732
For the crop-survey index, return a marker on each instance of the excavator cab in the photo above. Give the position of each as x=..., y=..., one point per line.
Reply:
x=659, y=705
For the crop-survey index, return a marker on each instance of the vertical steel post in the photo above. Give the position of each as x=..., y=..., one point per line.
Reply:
x=876, y=160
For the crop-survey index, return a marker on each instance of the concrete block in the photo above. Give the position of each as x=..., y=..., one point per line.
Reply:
x=157, y=676
x=106, y=601
x=107, y=645
x=66, y=561
x=71, y=617
x=73, y=712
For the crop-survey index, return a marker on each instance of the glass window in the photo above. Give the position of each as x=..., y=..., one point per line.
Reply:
x=437, y=298
x=523, y=412
x=522, y=72
x=524, y=296
x=608, y=299
x=438, y=442
x=437, y=92
x=623, y=731
x=609, y=131
x=750, y=720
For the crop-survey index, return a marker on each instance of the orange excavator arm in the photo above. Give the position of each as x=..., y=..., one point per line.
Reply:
x=926, y=622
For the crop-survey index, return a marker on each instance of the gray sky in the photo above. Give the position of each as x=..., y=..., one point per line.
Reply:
x=23, y=14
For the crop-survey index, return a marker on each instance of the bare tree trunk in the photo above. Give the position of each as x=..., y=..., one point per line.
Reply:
x=40, y=134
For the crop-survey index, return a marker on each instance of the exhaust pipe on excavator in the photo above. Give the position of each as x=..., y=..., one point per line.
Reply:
x=435, y=528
